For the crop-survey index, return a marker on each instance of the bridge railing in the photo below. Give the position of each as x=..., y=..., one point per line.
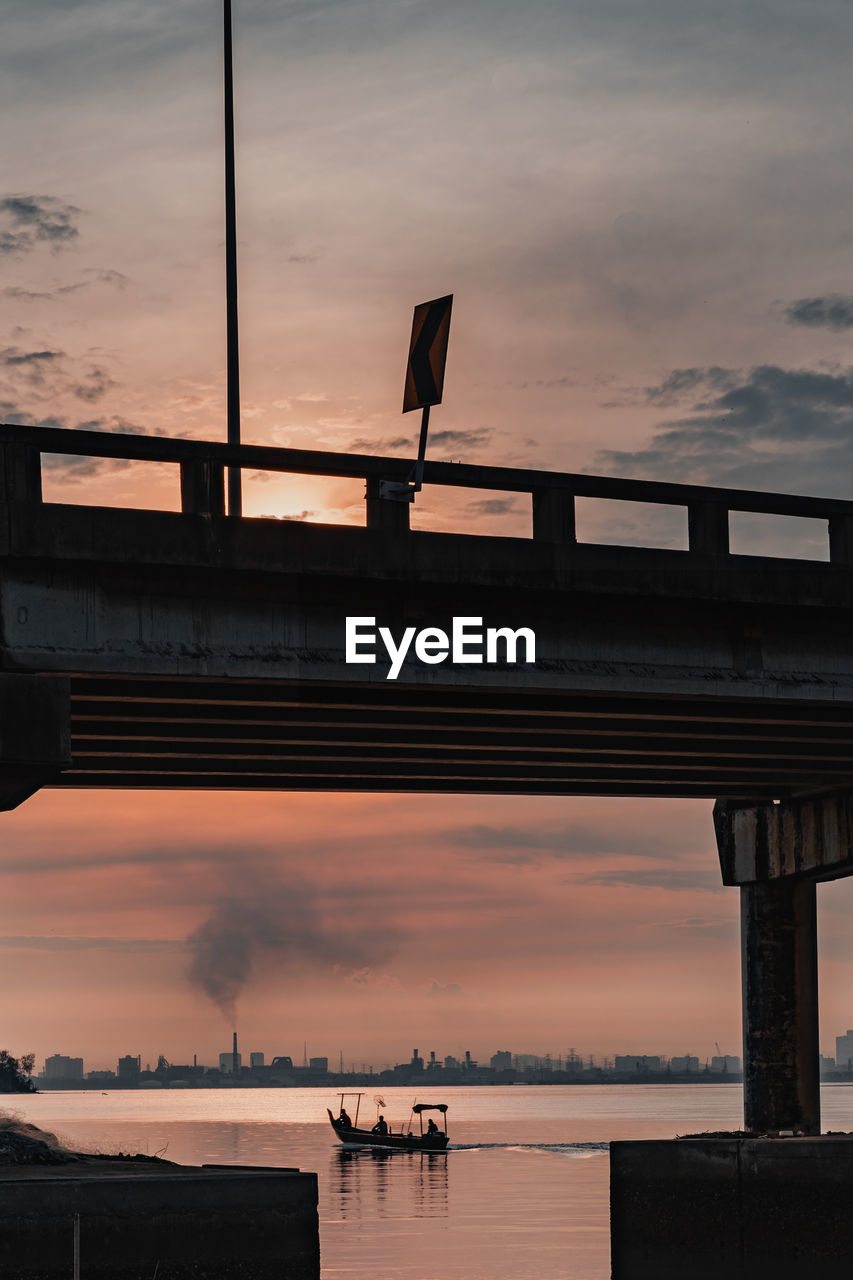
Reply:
x=553, y=493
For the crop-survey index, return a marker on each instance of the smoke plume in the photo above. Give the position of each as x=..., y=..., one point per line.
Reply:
x=276, y=929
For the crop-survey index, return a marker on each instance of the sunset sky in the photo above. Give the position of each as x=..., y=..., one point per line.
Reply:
x=645, y=214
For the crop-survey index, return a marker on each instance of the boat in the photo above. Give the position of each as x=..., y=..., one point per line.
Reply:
x=348, y=1132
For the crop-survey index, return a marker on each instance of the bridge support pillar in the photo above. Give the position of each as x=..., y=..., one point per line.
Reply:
x=777, y=853
x=35, y=734
x=384, y=514
x=780, y=1006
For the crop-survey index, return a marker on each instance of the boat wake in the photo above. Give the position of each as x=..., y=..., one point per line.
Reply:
x=574, y=1150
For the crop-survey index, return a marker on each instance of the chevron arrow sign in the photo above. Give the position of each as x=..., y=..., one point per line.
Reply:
x=427, y=354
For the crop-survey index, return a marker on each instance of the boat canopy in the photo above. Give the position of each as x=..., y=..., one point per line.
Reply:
x=429, y=1106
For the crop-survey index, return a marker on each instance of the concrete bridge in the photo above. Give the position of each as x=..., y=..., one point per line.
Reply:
x=191, y=649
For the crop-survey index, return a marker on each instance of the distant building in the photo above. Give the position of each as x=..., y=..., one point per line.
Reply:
x=636, y=1062
x=725, y=1063
x=256, y=1060
x=501, y=1061
x=226, y=1062
x=129, y=1068
x=417, y=1062
x=844, y=1051
x=680, y=1066
x=58, y=1067
x=100, y=1075
x=318, y=1064
x=451, y=1063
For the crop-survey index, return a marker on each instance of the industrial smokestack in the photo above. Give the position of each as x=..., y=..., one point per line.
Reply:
x=234, y=1056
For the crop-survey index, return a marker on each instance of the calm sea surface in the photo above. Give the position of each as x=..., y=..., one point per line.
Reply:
x=522, y=1191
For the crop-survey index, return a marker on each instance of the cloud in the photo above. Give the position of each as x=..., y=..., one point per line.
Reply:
x=17, y=294
x=58, y=943
x=367, y=444
x=42, y=378
x=298, y=516
x=701, y=926
x=96, y=383
x=475, y=438
x=518, y=845
x=105, y=276
x=367, y=977
x=451, y=989
x=691, y=879
x=301, y=515
x=72, y=466
x=26, y=221
x=682, y=382
x=35, y=365
x=547, y=383
x=163, y=854
x=492, y=506
x=767, y=427
x=834, y=311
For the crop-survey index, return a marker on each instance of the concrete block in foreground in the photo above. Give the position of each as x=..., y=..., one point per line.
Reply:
x=733, y=1208
x=177, y=1222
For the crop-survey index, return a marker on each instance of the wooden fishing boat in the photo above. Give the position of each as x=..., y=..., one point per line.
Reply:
x=382, y=1134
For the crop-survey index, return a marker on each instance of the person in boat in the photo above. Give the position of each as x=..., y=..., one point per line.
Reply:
x=344, y=1121
x=380, y=1126
x=432, y=1127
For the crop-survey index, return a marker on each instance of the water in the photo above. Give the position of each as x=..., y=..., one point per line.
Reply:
x=521, y=1193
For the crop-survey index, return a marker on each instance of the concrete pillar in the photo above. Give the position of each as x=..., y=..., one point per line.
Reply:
x=554, y=516
x=203, y=488
x=385, y=514
x=35, y=734
x=708, y=528
x=780, y=1005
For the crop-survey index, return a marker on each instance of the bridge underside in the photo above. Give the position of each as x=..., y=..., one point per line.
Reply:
x=191, y=650
x=288, y=735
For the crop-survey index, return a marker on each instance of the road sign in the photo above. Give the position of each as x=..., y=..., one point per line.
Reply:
x=427, y=354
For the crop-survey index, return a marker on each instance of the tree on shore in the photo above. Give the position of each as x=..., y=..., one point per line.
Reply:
x=16, y=1073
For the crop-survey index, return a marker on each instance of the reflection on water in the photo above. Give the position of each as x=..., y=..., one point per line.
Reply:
x=420, y=1190
x=521, y=1193
x=231, y=1146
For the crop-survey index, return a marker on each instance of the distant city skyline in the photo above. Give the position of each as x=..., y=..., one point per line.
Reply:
x=497, y=1059
x=130, y=1069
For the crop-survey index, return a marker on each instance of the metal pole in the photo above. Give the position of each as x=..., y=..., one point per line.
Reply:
x=76, y=1258
x=419, y=465
x=235, y=498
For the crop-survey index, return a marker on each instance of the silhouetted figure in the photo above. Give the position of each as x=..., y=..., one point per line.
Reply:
x=432, y=1127
x=343, y=1120
x=380, y=1126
